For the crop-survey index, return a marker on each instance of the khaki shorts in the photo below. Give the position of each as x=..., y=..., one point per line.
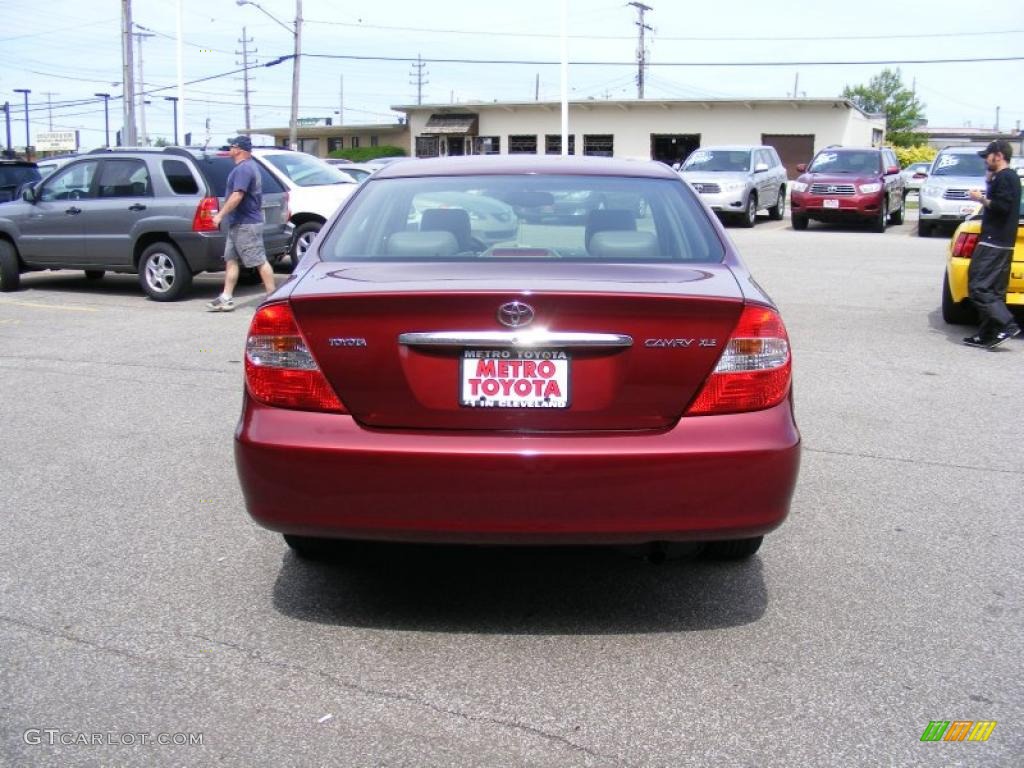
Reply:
x=245, y=243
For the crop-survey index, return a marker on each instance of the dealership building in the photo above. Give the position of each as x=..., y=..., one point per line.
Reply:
x=665, y=130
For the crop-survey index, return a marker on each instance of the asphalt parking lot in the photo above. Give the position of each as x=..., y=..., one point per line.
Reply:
x=138, y=598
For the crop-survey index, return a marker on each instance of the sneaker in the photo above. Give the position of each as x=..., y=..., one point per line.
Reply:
x=977, y=340
x=1007, y=333
x=220, y=304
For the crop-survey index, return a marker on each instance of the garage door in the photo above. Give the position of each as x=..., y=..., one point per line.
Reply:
x=792, y=148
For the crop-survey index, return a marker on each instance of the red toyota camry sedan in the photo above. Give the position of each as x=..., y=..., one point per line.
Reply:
x=616, y=379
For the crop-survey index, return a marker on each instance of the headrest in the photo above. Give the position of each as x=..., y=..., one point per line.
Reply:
x=616, y=245
x=421, y=245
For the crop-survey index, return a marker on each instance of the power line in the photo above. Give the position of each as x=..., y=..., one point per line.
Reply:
x=544, y=63
x=689, y=38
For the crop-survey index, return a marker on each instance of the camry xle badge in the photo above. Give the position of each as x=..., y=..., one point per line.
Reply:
x=515, y=314
x=832, y=188
x=350, y=341
x=677, y=343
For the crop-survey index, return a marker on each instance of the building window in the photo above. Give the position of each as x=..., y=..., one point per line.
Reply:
x=310, y=146
x=876, y=137
x=428, y=146
x=374, y=141
x=522, y=145
x=333, y=145
x=487, y=145
x=355, y=142
x=601, y=144
x=553, y=144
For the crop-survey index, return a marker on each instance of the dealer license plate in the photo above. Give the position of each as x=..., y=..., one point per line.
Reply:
x=505, y=378
x=969, y=210
x=831, y=203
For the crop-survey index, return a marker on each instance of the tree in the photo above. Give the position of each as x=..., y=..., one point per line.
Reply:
x=886, y=93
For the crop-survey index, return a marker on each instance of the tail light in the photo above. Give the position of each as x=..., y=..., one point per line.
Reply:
x=205, y=211
x=287, y=207
x=755, y=369
x=965, y=244
x=279, y=369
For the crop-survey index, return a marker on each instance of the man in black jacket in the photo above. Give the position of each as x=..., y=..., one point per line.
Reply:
x=989, y=273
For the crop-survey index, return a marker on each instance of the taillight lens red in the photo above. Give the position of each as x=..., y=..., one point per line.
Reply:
x=279, y=369
x=755, y=369
x=205, y=211
x=965, y=244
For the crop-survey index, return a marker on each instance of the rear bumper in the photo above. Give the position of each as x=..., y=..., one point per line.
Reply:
x=850, y=206
x=714, y=477
x=204, y=251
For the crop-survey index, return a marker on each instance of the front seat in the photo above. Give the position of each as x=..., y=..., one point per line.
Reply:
x=454, y=220
x=608, y=220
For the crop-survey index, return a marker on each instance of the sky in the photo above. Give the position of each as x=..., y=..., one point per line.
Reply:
x=65, y=51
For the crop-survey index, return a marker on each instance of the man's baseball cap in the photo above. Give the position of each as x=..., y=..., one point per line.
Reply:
x=999, y=145
x=244, y=143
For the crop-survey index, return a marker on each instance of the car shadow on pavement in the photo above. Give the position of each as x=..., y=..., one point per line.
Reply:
x=514, y=590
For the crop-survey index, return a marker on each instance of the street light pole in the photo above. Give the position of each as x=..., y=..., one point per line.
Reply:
x=26, y=92
x=174, y=100
x=106, y=117
x=296, y=32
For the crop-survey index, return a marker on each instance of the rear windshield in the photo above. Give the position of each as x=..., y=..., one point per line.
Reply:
x=12, y=177
x=585, y=218
x=718, y=160
x=847, y=162
x=959, y=164
x=217, y=167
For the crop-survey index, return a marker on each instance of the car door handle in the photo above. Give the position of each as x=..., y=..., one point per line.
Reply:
x=73, y=210
x=136, y=207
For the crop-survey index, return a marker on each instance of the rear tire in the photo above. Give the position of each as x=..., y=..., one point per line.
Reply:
x=10, y=269
x=799, y=222
x=310, y=548
x=732, y=549
x=953, y=312
x=163, y=272
x=778, y=211
x=94, y=274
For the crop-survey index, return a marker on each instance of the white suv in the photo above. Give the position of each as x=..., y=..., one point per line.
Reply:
x=316, y=190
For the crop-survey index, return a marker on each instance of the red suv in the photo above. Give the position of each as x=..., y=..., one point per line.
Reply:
x=849, y=184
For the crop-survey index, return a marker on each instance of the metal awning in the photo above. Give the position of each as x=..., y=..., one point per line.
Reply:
x=459, y=124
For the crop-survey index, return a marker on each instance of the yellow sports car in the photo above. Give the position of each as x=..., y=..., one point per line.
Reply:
x=956, y=307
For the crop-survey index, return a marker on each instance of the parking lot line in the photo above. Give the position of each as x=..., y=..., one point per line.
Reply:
x=64, y=307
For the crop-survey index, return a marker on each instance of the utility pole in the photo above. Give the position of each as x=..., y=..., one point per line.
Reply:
x=796, y=86
x=419, y=74
x=997, y=119
x=140, y=36
x=341, y=99
x=641, y=51
x=128, y=137
x=7, y=119
x=536, y=88
x=49, y=107
x=245, y=74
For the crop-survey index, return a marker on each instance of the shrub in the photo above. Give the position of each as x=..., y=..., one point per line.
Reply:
x=922, y=153
x=365, y=154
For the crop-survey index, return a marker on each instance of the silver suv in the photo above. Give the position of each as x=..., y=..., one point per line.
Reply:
x=945, y=194
x=141, y=211
x=737, y=181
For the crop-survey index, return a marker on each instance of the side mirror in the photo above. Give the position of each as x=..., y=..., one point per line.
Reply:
x=760, y=167
x=29, y=194
x=892, y=169
x=801, y=168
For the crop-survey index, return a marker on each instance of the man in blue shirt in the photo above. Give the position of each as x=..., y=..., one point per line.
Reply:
x=243, y=208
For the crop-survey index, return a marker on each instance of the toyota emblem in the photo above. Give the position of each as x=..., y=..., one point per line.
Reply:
x=832, y=188
x=515, y=314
